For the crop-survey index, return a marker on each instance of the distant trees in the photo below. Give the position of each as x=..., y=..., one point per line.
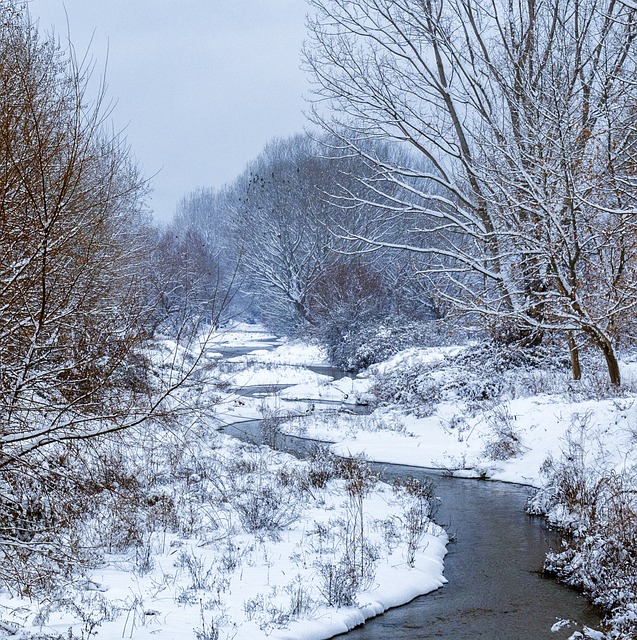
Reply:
x=194, y=270
x=524, y=112
x=285, y=215
x=280, y=223
x=281, y=229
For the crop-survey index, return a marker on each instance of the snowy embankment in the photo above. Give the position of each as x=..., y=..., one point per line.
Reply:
x=476, y=412
x=503, y=430
x=211, y=538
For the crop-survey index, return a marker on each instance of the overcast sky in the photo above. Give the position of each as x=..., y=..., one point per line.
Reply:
x=200, y=85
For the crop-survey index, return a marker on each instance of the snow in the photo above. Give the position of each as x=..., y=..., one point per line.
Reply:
x=291, y=352
x=214, y=572
x=260, y=376
x=455, y=436
x=247, y=583
x=242, y=334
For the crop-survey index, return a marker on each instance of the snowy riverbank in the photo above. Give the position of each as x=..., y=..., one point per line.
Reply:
x=475, y=412
x=213, y=539
x=506, y=433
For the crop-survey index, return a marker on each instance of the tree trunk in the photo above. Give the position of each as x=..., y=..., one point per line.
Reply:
x=575, y=362
x=611, y=362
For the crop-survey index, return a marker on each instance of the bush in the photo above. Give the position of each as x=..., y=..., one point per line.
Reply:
x=356, y=344
x=478, y=375
x=504, y=442
x=322, y=466
x=597, y=512
x=266, y=508
x=419, y=505
x=414, y=389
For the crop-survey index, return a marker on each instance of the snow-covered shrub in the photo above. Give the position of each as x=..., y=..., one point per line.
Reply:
x=47, y=532
x=479, y=375
x=271, y=431
x=322, y=466
x=358, y=474
x=264, y=497
x=356, y=344
x=359, y=556
x=337, y=583
x=301, y=602
x=419, y=504
x=600, y=556
x=595, y=385
x=266, y=507
x=570, y=485
x=201, y=577
x=492, y=372
x=597, y=511
x=469, y=375
x=413, y=389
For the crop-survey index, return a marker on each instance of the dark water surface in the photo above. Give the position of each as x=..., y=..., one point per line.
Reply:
x=495, y=590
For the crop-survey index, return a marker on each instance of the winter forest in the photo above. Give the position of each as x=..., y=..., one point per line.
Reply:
x=441, y=272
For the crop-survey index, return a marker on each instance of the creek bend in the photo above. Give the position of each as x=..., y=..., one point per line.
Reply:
x=496, y=590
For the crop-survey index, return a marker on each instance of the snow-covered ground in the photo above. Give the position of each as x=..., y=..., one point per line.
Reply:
x=229, y=540
x=462, y=435
x=232, y=570
x=238, y=541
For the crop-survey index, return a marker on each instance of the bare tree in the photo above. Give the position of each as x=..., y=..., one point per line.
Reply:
x=74, y=246
x=521, y=110
x=70, y=229
x=279, y=221
x=286, y=213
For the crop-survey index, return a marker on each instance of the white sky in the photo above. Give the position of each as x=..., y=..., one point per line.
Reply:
x=200, y=85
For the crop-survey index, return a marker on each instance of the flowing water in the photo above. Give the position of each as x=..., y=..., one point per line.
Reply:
x=496, y=590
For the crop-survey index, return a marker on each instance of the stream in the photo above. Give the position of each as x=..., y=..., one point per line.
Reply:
x=496, y=590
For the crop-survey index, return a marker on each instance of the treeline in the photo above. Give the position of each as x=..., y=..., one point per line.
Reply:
x=281, y=236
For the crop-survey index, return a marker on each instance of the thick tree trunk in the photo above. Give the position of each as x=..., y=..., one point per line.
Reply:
x=575, y=361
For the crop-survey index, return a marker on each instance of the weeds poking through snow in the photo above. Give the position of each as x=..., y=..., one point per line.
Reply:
x=201, y=577
x=419, y=507
x=208, y=629
x=504, y=442
x=337, y=583
x=322, y=466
